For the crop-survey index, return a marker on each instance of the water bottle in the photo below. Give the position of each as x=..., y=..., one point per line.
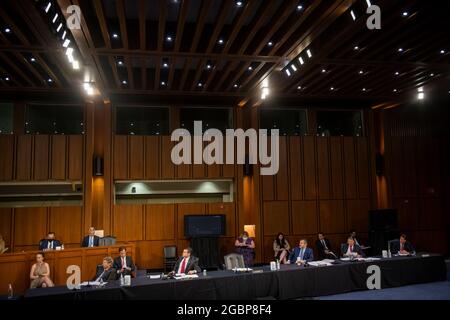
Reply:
x=278, y=264
x=204, y=272
x=122, y=281
x=389, y=253
x=62, y=246
x=10, y=291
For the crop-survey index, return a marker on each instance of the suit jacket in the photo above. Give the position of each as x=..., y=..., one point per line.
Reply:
x=321, y=248
x=191, y=265
x=308, y=255
x=129, y=261
x=43, y=244
x=356, y=249
x=395, y=247
x=85, y=242
x=109, y=275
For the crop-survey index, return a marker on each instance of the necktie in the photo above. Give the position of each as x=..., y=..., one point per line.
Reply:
x=90, y=242
x=324, y=245
x=183, y=266
x=301, y=254
x=50, y=244
x=123, y=262
x=401, y=246
x=351, y=248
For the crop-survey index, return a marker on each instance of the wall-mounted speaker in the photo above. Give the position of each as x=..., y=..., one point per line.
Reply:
x=98, y=166
x=248, y=167
x=379, y=164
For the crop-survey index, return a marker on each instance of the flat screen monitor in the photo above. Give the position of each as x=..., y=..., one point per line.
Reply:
x=204, y=225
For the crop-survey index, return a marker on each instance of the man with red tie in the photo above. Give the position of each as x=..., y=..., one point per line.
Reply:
x=124, y=264
x=187, y=264
x=351, y=249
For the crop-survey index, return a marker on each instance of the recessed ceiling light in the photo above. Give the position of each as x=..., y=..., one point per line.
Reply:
x=220, y=41
x=235, y=85
x=288, y=72
x=115, y=35
x=405, y=13
x=353, y=15
x=300, y=59
x=239, y=3
x=442, y=51
x=163, y=83
x=308, y=52
x=293, y=67
x=64, y=35
x=324, y=70
x=7, y=78
x=50, y=80
x=47, y=8
x=208, y=66
x=400, y=49
x=368, y=3
x=299, y=88
x=270, y=43
x=169, y=38
x=420, y=96
x=7, y=30
x=361, y=72
x=66, y=43
x=120, y=63
x=431, y=74
x=331, y=88
x=397, y=73
x=55, y=18
x=200, y=84
x=33, y=59
x=250, y=68
x=364, y=89
x=165, y=65
x=59, y=27
x=395, y=90
x=299, y=7
x=355, y=48
x=75, y=65
x=124, y=82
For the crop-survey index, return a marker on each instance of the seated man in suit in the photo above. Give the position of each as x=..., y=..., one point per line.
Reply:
x=50, y=243
x=106, y=272
x=324, y=247
x=91, y=240
x=302, y=254
x=402, y=246
x=351, y=249
x=124, y=264
x=353, y=235
x=187, y=264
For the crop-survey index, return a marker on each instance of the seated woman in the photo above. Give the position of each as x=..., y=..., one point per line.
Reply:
x=106, y=272
x=40, y=273
x=246, y=246
x=281, y=248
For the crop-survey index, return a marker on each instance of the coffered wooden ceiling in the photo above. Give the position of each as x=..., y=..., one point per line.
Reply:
x=223, y=49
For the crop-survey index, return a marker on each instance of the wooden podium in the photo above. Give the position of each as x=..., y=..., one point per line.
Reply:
x=15, y=267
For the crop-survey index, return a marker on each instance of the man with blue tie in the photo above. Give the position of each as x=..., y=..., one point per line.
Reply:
x=91, y=240
x=302, y=254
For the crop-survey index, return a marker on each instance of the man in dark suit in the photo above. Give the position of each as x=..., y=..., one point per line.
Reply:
x=353, y=235
x=106, y=272
x=50, y=243
x=187, y=264
x=323, y=247
x=351, y=249
x=302, y=254
x=402, y=246
x=124, y=264
x=91, y=240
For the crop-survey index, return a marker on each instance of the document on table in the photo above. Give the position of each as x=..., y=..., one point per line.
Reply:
x=185, y=276
x=155, y=276
x=319, y=263
x=92, y=283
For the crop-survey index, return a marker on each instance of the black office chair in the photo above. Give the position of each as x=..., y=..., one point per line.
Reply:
x=170, y=257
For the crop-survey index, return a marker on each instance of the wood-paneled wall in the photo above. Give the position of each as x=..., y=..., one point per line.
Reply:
x=417, y=155
x=41, y=157
x=322, y=185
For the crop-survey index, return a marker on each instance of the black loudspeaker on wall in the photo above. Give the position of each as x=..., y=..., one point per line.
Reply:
x=379, y=164
x=248, y=168
x=98, y=166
